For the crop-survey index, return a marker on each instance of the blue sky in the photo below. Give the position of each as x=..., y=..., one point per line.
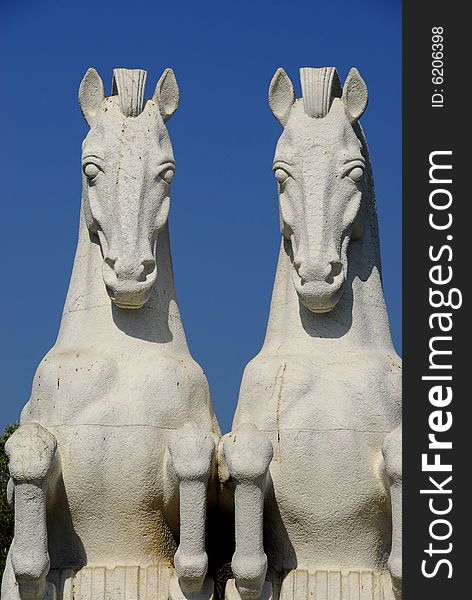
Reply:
x=224, y=215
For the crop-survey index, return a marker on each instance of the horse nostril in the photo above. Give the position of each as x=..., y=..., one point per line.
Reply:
x=147, y=267
x=148, y=264
x=336, y=268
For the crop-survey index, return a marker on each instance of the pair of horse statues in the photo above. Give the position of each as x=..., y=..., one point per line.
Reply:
x=122, y=486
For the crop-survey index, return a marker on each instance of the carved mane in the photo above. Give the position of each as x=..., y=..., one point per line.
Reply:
x=129, y=85
x=319, y=88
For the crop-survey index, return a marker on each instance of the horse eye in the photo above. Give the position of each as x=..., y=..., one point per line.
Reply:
x=281, y=175
x=356, y=174
x=91, y=170
x=168, y=175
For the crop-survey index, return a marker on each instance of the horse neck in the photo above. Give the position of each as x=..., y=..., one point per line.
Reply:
x=91, y=320
x=359, y=321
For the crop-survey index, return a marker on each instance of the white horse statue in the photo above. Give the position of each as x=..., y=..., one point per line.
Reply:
x=115, y=449
x=324, y=392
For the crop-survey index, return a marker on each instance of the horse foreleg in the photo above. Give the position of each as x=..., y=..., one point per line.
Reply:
x=392, y=452
x=248, y=453
x=31, y=451
x=192, y=456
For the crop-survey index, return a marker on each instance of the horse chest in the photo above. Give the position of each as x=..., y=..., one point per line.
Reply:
x=299, y=393
x=85, y=387
x=332, y=396
x=109, y=504
x=112, y=431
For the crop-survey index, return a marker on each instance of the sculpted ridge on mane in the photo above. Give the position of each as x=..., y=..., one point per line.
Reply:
x=319, y=88
x=129, y=86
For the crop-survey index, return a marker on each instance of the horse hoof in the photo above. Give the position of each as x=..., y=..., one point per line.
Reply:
x=177, y=590
x=238, y=592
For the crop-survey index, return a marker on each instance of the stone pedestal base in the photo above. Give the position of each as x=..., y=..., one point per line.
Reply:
x=301, y=584
x=119, y=583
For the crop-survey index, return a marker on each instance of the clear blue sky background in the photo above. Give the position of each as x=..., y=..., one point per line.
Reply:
x=224, y=216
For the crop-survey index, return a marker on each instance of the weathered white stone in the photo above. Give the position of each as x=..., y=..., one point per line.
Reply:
x=192, y=451
x=96, y=464
x=392, y=452
x=248, y=453
x=31, y=453
x=326, y=385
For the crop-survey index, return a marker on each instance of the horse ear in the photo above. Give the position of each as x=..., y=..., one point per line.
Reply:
x=281, y=96
x=166, y=94
x=91, y=95
x=355, y=95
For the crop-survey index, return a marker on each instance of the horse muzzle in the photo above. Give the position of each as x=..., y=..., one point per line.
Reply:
x=320, y=295
x=129, y=285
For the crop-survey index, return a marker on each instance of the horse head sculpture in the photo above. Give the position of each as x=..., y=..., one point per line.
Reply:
x=319, y=166
x=128, y=165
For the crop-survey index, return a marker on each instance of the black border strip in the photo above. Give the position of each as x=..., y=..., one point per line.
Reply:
x=429, y=127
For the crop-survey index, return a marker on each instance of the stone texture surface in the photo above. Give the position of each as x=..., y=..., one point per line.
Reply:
x=392, y=452
x=331, y=584
x=326, y=386
x=248, y=453
x=31, y=451
x=102, y=583
x=192, y=452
